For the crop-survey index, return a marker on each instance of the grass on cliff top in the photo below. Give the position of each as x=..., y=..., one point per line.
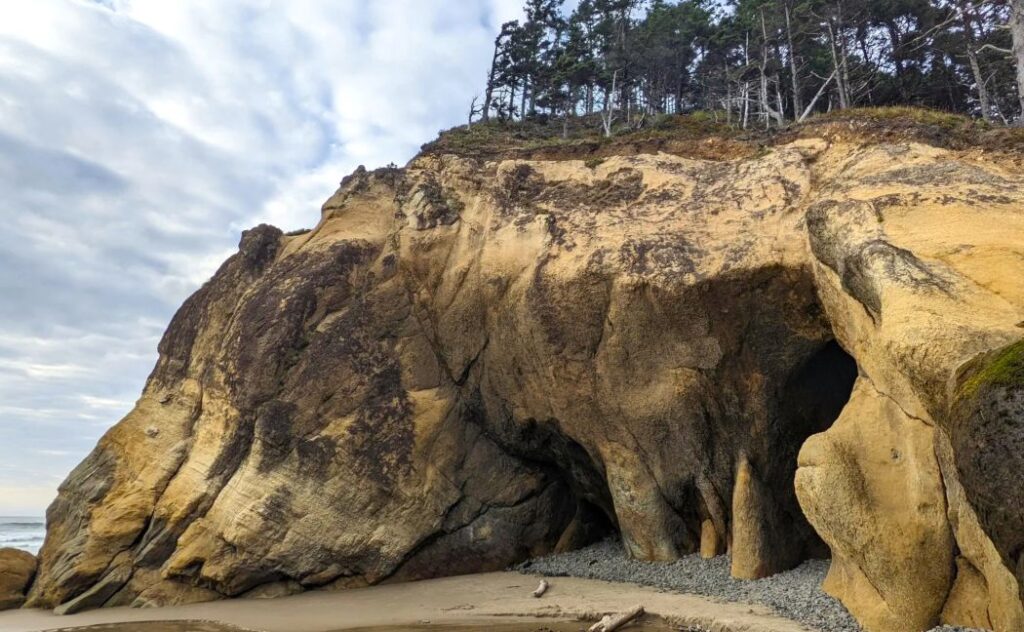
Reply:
x=1005, y=369
x=706, y=134
x=542, y=137
x=903, y=114
x=932, y=127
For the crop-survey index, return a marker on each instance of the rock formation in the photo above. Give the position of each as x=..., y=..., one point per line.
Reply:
x=917, y=256
x=17, y=568
x=468, y=362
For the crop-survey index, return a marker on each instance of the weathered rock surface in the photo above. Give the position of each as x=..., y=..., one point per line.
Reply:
x=918, y=259
x=467, y=363
x=17, y=568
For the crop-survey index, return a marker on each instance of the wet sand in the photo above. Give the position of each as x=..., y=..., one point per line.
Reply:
x=537, y=625
x=158, y=626
x=532, y=626
x=470, y=602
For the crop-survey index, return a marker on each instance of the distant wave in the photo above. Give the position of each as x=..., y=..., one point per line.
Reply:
x=22, y=532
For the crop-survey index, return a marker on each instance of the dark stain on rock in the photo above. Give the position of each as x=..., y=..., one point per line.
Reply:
x=576, y=331
x=662, y=255
x=234, y=448
x=434, y=206
x=317, y=454
x=518, y=188
x=257, y=249
x=274, y=430
x=276, y=319
x=942, y=173
x=860, y=278
x=621, y=187
x=792, y=191
x=382, y=435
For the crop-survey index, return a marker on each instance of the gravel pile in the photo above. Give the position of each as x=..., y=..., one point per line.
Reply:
x=793, y=594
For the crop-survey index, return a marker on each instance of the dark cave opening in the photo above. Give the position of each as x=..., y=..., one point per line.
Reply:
x=816, y=393
x=806, y=402
x=811, y=400
x=592, y=524
x=594, y=517
x=589, y=515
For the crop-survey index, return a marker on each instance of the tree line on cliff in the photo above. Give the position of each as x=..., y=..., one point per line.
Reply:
x=755, y=62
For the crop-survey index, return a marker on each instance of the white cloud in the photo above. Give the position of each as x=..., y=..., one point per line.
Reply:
x=139, y=137
x=42, y=371
x=53, y=452
x=105, y=402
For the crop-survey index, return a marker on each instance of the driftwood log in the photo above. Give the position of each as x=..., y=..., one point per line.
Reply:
x=611, y=623
x=542, y=588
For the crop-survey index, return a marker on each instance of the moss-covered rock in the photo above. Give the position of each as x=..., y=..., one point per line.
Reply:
x=987, y=432
x=1004, y=368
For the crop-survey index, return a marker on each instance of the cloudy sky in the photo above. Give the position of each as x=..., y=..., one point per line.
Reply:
x=138, y=138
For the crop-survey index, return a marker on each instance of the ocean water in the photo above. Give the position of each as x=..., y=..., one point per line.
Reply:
x=22, y=532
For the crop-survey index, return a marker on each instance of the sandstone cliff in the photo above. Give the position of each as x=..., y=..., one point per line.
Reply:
x=470, y=361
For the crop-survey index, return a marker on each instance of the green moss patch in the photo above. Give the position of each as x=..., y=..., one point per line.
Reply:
x=1005, y=369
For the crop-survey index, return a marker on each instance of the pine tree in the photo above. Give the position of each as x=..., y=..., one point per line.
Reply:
x=767, y=62
x=498, y=62
x=1017, y=32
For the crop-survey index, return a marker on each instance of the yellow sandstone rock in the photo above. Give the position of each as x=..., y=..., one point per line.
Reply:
x=711, y=544
x=468, y=362
x=17, y=569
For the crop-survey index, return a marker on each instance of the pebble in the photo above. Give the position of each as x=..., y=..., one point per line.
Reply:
x=795, y=594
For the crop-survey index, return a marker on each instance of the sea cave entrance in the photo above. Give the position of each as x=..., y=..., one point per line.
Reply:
x=804, y=403
x=811, y=400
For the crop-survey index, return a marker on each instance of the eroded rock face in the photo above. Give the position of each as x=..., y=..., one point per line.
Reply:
x=465, y=364
x=17, y=568
x=918, y=260
x=871, y=487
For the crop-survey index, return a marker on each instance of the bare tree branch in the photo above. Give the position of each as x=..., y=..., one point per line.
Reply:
x=821, y=90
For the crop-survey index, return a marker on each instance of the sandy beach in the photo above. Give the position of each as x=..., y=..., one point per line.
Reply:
x=470, y=600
